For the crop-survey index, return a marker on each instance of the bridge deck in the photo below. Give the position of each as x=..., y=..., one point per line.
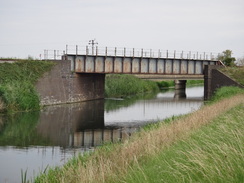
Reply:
x=138, y=65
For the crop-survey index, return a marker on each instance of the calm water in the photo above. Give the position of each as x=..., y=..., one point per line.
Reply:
x=35, y=141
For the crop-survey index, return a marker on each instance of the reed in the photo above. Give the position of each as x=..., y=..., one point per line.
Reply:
x=111, y=163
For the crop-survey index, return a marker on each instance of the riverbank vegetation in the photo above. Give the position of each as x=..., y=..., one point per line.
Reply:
x=121, y=85
x=185, y=148
x=17, y=91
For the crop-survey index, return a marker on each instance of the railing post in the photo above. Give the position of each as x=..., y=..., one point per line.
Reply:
x=174, y=54
x=182, y=54
x=124, y=52
x=92, y=50
x=115, y=51
x=189, y=54
x=96, y=50
x=133, y=52
x=87, y=50
x=63, y=52
x=167, y=54
x=66, y=49
x=150, y=53
x=106, y=51
x=141, y=52
x=54, y=54
x=159, y=54
x=76, y=50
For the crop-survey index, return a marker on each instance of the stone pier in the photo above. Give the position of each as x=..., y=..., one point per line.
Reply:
x=180, y=89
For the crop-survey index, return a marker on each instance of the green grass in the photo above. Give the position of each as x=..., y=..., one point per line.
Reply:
x=194, y=82
x=213, y=153
x=17, y=80
x=126, y=85
x=225, y=92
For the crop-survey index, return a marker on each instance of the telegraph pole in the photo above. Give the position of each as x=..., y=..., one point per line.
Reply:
x=92, y=42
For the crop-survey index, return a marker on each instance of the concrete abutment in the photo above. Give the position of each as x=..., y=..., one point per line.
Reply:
x=60, y=85
x=214, y=79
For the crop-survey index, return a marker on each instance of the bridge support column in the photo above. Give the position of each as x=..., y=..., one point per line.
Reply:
x=180, y=89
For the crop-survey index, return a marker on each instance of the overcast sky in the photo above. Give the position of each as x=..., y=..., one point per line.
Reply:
x=27, y=27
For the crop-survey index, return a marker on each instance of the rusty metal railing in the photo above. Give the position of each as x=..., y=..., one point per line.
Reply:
x=129, y=52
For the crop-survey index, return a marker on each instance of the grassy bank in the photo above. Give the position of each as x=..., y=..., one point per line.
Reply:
x=125, y=161
x=124, y=85
x=213, y=153
x=17, y=91
x=236, y=73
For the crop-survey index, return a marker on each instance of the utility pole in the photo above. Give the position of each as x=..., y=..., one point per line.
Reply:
x=92, y=42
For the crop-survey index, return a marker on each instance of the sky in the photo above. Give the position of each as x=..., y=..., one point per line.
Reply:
x=28, y=27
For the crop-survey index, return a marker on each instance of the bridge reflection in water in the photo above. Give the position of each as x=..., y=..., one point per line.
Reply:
x=88, y=124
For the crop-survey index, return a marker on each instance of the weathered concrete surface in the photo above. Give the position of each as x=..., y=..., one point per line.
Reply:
x=214, y=79
x=60, y=85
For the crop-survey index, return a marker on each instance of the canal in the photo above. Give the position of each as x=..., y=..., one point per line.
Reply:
x=34, y=141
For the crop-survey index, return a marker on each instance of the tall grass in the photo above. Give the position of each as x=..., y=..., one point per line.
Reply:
x=125, y=85
x=111, y=163
x=17, y=90
x=214, y=153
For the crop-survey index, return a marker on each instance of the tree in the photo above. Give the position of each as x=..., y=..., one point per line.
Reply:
x=226, y=58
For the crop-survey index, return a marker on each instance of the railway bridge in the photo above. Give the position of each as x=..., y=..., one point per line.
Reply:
x=83, y=71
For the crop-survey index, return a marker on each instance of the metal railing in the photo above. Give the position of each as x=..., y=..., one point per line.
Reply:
x=53, y=54
x=129, y=52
